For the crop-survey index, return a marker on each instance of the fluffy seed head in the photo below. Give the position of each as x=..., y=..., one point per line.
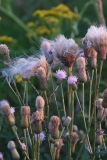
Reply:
x=99, y=102
x=4, y=50
x=97, y=36
x=40, y=103
x=66, y=50
x=11, y=145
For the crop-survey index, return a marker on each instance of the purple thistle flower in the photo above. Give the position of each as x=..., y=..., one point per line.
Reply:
x=72, y=80
x=61, y=74
x=1, y=156
x=42, y=136
x=12, y=110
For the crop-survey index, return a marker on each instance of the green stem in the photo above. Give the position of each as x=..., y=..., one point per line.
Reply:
x=90, y=96
x=63, y=101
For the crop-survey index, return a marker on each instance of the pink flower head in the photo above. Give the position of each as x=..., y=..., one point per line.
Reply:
x=12, y=110
x=1, y=156
x=42, y=136
x=72, y=80
x=61, y=74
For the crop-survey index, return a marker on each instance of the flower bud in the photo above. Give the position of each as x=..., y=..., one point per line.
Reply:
x=58, y=145
x=54, y=126
x=99, y=136
x=37, y=119
x=100, y=113
x=4, y=50
x=75, y=128
x=104, y=103
x=40, y=103
x=74, y=141
x=67, y=121
x=4, y=107
x=25, y=114
x=12, y=147
x=81, y=65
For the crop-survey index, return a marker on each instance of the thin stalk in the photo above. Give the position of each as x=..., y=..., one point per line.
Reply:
x=34, y=87
x=72, y=114
x=63, y=101
x=47, y=104
x=26, y=142
x=85, y=125
x=99, y=78
x=38, y=146
x=90, y=96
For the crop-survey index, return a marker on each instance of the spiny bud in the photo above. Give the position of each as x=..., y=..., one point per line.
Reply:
x=8, y=111
x=81, y=136
x=37, y=118
x=99, y=102
x=25, y=113
x=58, y=145
x=99, y=136
x=104, y=103
x=75, y=128
x=40, y=103
x=54, y=126
x=74, y=141
x=67, y=121
x=4, y=107
x=4, y=50
x=12, y=147
x=81, y=65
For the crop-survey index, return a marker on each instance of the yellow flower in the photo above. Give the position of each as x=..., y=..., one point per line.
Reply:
x=31, y=24
x=61, y=11
x=7, y=39
x=19, y=78
x=43, y=30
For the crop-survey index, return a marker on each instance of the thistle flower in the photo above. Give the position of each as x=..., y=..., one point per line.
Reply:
x=47, y=50
x=104, y=102
x=4, y=50
x=54, y=126
x=61, y=74
x=1, y=156
x=97, y=36
x=12, y=147
x=42, y=136
x=100, y=109
x=81, y=65
x=66, y=50
x=72, y=81
x=25, y=114
x=67, y=121
x=40, y=103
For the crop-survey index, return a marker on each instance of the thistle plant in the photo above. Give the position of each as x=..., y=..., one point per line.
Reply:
x=68, y=116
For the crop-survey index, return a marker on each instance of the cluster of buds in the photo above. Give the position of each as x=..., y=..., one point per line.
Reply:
x=81, y=65
x=8, y=111
x=12, y=147
x=4, y=50
x=25, y=115
x=42, y=71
